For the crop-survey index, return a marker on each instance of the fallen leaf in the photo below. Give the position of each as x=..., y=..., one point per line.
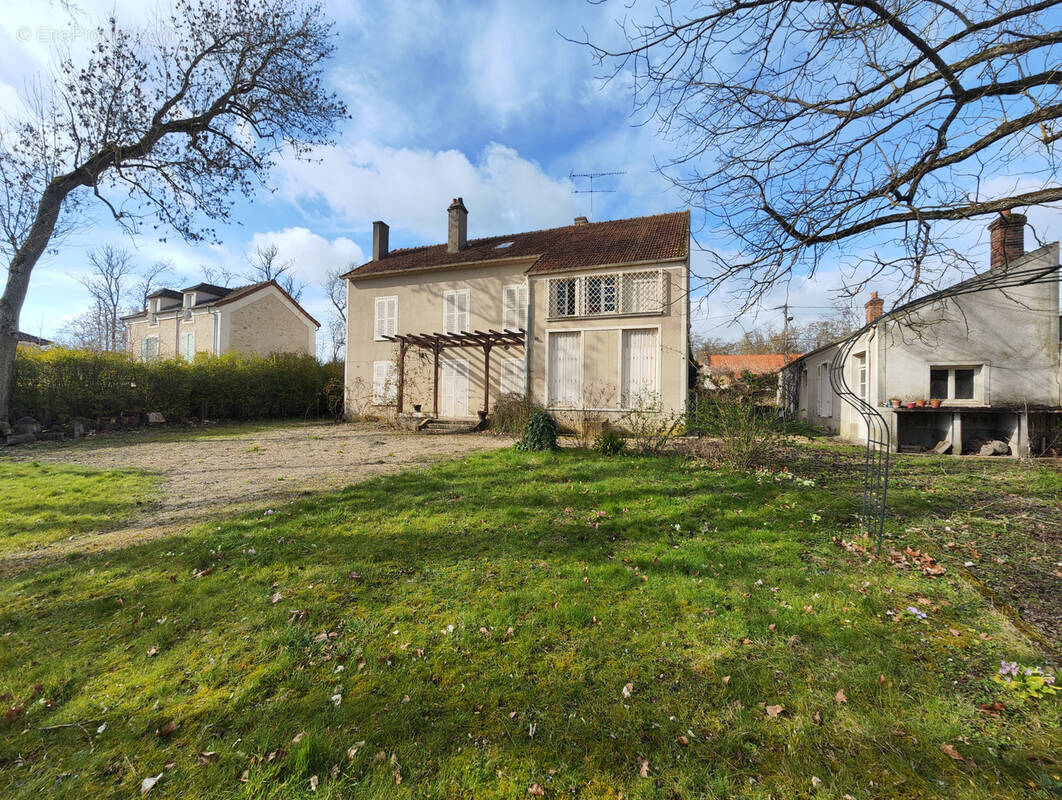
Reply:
x=954, y=632
x=205, y=757
x=815, y=782
x=298, y=737
x=682, y=740
x=11, y=714
x=153, y=651
x=995, y=709
x=398, y=776
x=771, y=627
x=840, y=697
x=643, y=767
x=774, y=711
x=535, y=790
x=882, y=680
x=816, y=717
x=276, y=597
x=168, y=729
x=313, y=783
x=628, y=689
x=726, y=679
x=148, y=784
x=951, y=752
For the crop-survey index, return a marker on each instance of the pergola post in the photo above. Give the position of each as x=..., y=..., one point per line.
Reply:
x=435, y=380
x=486, y=375
x=401, y=373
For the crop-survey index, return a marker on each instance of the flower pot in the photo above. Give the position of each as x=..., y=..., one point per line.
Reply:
x=895, y=403
x=934, y=404
x=911, y=404
x=920, y=403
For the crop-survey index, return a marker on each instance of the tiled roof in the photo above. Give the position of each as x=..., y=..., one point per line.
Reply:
x=661, y=237
x=173, y=294
x=757, y=364
x=230, y=296
x=29, y=338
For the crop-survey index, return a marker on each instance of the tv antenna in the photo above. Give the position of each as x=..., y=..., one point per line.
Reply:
x=590, y=177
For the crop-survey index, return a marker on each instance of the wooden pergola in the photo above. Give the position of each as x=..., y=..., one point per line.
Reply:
x=437, y=342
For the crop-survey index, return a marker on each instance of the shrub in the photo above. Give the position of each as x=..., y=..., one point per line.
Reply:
x=540, y=433
x=735, y=432
x=57, y=385
x=512, y=413
x=609, y=443
x=650, y=426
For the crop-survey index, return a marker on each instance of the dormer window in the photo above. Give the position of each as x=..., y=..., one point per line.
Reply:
x=189, y=299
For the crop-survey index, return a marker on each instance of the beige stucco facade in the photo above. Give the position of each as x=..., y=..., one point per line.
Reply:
x=595, y=341
x=261, y=322
x=1003, y=345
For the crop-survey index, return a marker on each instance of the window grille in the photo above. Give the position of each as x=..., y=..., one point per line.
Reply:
x=562, y=293
x=641, y=292
x=599, y=294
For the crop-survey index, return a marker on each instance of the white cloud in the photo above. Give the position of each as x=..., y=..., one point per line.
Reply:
x=411, y=189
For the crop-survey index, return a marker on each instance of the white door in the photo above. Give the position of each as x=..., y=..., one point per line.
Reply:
x=565, y=369
x=454, y=379
x=639, y=387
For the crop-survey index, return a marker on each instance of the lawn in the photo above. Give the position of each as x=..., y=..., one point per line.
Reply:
x=42, y=503
x=516, y=623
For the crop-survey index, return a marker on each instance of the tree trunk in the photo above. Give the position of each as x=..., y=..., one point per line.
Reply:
x=18, y=277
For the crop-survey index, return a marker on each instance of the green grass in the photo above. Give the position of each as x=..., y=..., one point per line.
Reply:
x=42, y=503
x=465, y=606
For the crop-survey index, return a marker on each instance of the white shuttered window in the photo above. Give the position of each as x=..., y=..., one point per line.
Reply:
x=455, y=311
x=639, y=384
x=825, y=392
x=386, y=317
x=384, y=382
x=514, y=307
x=565, y=370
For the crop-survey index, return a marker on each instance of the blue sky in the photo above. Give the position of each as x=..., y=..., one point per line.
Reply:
x=483, y=100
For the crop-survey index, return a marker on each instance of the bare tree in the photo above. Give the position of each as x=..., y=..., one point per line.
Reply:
x=799, y=126
x=219, y=276
x=108, y=285
x=160, y=126
x=335, y=287
x=151, y=279
x=266, y=265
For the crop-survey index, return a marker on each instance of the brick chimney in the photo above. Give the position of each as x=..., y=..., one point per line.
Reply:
x=875, y=307
x=379, y=240
x=1008, y=239
x=458, y=237
x=582, y=221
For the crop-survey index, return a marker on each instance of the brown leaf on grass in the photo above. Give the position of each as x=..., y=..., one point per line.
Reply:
x=298, y=737
x=809, y=609
x=643, y=767
x=726, y=679
x=882, y=680
x=683, y=740
x=36, y=689
x=205, y=757
x=774, y=711
x=995, y=709
x=954, y=631
x=772, y=627
x=398, y=776
x=168, y=729
x=276, y=597
x=628, y=689
x=840, y=697
x=816, y=717
x=12, y=713
x=152, y=651
x=951, y=752
x=535, y=790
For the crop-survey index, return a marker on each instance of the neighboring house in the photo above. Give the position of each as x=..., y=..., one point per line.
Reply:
x=31, y=342
x=589, y=316
x=991, y=359
x=260, y=318
x=721, y=370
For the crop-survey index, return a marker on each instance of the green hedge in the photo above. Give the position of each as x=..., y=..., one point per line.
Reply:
x=57, y=385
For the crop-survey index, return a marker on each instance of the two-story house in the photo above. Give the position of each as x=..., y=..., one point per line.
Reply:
x=257, y=319
x=958, y=372
x=588, y=316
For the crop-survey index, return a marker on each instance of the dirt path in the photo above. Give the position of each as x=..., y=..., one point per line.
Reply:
x=212, y=472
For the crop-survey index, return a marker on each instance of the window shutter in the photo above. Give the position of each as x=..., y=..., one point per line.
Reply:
x=455, y=311
x=386, y=318
x=514, y=307
x=384, y=382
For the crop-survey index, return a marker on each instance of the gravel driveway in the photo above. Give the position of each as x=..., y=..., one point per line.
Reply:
x=212, y=471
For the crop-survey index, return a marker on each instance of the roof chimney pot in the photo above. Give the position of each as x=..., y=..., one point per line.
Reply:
x=457, y=239
x=379, y=240
x=874, y=307
x=1007, y=239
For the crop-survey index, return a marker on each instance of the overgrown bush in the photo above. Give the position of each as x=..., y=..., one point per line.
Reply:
x=57, y=385
x=540, y=434
x=649, y=424
x=511, y=414
x=735, y=432
x=609, y=443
